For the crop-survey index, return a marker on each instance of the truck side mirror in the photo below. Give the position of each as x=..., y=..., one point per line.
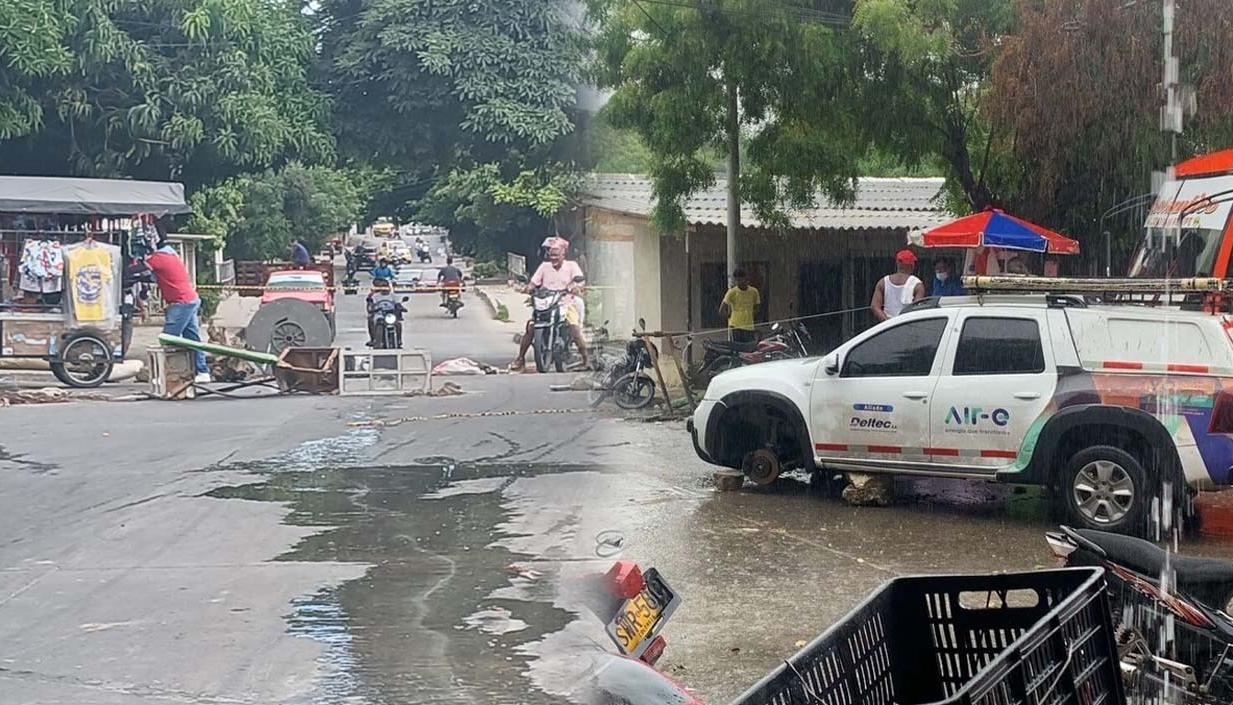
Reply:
x=830, y=364
x=642, y=323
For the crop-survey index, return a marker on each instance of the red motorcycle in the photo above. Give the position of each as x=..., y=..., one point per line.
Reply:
x=782, y=344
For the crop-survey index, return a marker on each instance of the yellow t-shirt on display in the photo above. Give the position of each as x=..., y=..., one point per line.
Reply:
x=743, y=305
x=89, y=270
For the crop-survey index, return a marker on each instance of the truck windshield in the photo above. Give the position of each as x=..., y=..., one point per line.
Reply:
x=1165, y=252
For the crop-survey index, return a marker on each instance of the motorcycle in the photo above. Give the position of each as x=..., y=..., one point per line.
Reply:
x=453, y=300
x=550, y=331
x=635, y=605
x=385, y=313
x=1175, y=637
x=723, y=355
x=421, y=251
x=626, y=380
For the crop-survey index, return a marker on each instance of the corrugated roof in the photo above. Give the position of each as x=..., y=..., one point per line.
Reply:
x=881, y=203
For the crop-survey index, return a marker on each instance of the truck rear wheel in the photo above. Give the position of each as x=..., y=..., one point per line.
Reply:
x=1105, y=488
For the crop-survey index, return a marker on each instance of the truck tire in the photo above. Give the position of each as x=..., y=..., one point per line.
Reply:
x=1105, y=488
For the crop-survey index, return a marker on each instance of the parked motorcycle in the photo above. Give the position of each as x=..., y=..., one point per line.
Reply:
x=550, y=332
x=782, y=344
x=386, y=314
x=626, y=379
x=1175, y=637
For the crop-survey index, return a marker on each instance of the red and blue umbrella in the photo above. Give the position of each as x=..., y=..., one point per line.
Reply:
x=993, y=228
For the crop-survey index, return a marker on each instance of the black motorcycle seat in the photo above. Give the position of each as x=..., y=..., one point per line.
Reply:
x=1149, y=559
x=726, y=346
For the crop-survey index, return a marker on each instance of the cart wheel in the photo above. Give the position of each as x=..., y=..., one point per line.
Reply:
x=84, y=362
x=287, y=334
x=761, y=467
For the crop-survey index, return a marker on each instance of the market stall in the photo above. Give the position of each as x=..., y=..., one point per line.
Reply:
x=65, y=296
x=994, y=242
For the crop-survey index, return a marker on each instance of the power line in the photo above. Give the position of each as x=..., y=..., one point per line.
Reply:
x=800, y=12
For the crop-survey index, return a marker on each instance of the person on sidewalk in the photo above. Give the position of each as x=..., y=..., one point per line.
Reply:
x=740, y=305
x=894, y=291
x=557, y=274
x=180, y=298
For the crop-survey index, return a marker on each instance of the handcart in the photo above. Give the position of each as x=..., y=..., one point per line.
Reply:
x=42, y=215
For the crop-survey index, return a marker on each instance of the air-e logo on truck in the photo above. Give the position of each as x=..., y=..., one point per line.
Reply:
x=973, y=415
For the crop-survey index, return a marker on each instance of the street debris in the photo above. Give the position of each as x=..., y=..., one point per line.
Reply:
x=728, y=480
x=224, y=368
x=55, y=395
x=523, y=572
x=869, y=490
x=464, y=366
x=494, y=620
x=383, y=423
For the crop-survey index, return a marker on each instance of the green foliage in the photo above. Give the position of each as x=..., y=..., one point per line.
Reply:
x=925, y=64
x=671, y=66
x=185, y=89
x=468, y=105
x=255, y=216
x=487, y=270
x=502, y=313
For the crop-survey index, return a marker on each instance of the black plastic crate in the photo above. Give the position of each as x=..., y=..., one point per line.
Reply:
x=1041, y=638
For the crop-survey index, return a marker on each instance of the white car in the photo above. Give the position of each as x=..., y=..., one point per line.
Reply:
x=1106, y=404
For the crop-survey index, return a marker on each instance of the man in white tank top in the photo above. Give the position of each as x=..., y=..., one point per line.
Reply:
x=894, y=291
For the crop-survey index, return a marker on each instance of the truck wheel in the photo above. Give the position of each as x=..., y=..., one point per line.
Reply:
x=1105, y=488
x=761, y=466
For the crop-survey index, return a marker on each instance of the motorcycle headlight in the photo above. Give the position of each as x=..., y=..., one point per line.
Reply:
x=390, y=319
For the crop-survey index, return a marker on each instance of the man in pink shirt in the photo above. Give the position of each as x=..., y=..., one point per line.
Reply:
x=557, y=274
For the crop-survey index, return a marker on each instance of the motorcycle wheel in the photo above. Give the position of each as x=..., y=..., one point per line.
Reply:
x=634, y=391
x=598, y=387
x=540, y=342
x=722, y=364
x=558, y=355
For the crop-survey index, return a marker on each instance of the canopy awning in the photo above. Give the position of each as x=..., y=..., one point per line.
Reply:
x=993, y=228
x=104, y=197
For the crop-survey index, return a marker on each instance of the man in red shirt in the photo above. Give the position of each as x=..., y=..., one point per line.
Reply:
x=180, y=297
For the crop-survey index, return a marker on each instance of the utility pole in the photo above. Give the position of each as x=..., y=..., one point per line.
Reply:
x=1171, y=112
x=734, y=177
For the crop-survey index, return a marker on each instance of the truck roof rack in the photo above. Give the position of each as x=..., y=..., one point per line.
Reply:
x=1106, y=286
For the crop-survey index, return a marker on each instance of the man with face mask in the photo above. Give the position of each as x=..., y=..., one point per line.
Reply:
x=945, y=283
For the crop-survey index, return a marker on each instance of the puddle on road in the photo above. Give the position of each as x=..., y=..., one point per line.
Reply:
x=461, y=591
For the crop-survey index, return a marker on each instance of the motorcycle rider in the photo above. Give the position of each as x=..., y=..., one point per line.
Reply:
x=557, y=274
x=450, y=277
x=382, y=297
x=383, y=271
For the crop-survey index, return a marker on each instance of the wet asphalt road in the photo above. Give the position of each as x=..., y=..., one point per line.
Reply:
x=289, y=550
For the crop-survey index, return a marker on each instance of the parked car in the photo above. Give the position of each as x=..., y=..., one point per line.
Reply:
x=303, y=284
x=1105, y=404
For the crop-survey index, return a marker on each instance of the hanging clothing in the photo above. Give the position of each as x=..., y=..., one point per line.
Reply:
x=896, y=296
x=93, y=270
x=42, y=259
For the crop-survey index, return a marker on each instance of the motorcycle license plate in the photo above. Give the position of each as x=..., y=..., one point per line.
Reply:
x=640, y=617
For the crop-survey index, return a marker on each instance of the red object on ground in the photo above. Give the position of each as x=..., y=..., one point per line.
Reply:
x=654, y=650
x=1206, y=164
x=1215, y=513
x=625, y=579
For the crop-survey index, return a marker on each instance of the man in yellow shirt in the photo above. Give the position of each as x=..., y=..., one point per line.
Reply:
x=740, y=305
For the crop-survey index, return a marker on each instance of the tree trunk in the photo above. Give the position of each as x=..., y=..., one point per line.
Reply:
x=733, y=125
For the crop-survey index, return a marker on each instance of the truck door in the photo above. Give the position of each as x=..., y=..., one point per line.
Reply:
x=874, y=403
x=998, y=376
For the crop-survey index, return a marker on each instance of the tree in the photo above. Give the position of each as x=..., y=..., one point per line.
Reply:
x=255, y=216
x=187, y=89
x=1076, y=93
x=450, y=92
x=691, y=78
x=925, y=66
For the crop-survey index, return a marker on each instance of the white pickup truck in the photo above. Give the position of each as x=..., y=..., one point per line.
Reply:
x=1107, y=405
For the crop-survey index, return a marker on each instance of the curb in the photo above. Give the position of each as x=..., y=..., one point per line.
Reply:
x=492, y=303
